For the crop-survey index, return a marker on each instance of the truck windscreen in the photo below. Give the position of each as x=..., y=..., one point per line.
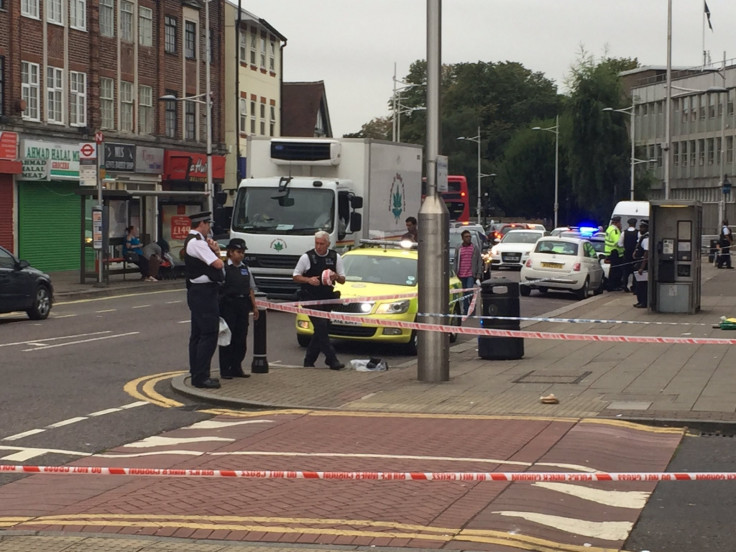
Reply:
x=302, y=212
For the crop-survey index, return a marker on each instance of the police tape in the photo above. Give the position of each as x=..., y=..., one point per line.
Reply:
x=374, y=475
x=352, y=319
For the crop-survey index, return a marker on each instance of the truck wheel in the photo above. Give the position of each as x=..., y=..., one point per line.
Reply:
x=525, y=291
x=303, y=340
x=41, y=304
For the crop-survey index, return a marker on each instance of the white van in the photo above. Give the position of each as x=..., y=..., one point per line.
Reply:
x=631, y=209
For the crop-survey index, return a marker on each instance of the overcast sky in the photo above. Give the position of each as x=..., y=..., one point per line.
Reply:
x=352, y=45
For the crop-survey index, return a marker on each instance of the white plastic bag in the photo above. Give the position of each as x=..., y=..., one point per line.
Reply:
x=368, y=365
x=224, y=335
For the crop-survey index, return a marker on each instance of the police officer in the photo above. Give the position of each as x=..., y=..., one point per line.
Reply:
x=308, y=272
x=237, y=301
x=203, y=270
x=614, y=253
x=628, y=240
x=642, y=255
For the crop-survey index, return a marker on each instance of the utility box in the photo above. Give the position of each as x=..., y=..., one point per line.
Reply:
x=675, y=228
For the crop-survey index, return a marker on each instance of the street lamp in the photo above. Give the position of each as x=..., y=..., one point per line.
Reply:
x=630, y=112
x=556, y=131
x=404, y=110
x=477, y=140
x=206, y=99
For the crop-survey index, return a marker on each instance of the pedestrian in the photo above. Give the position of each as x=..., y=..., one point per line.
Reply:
x=237, y=301
x=133, y=251
x=468, y=265
x=204, y=271
x=628, y=240
x=317, y=271
x=154, y=255
x=725, y=240
x=412, y=233
x=614, y=253
x=642, y=276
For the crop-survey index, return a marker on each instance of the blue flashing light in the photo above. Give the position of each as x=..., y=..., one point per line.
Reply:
x=587, y=231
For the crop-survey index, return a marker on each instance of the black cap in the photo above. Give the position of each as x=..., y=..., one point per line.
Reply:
x=616, y=219
x=237, y=243
x=644, y=223
x=631, y=221
x=205, y=216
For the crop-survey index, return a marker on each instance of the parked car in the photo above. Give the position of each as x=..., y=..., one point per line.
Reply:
x=514, y=248
x=24, y=288
x=562, y=263
x=376, y=269
x=502, y=228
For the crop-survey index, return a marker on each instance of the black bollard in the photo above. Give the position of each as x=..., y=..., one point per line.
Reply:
x=260, y=362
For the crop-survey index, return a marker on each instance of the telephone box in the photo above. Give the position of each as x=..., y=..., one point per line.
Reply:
x=675, y=228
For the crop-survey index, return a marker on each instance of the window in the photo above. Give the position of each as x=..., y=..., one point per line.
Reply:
x=711, y=151
x=272, y=125
x=145, y=26
x=78, y=14
x=170, y=115
x=263, y=52
x=243, y=47
x=252, y=117
x=107, y=103
x=729, y=149
x=243, y=112
x=126, y=20
x=693, y=154
x=29, y=8
x=676, y=154
x=145, y=109
x=190, y=121
x=54, y=13
x=170, y=24
x=701, y=151
x=107, y=17
x=54, y=94
x=253, y=46
x=711, y=106
x=126, y=106
x=684, y=154
x=263, y=119
x=190, y=39
x=272, y=56
x=77, y=98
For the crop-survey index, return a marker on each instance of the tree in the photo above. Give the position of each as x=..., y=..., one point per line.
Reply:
x=378, y=128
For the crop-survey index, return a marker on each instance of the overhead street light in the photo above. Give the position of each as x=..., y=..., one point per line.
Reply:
x=630, y=111
x=556, y=131
x=404, y=110
x=477, y=140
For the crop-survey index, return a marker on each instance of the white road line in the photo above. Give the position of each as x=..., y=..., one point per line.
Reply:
x=607, y=530
x=103, y=412
x=214, y=424
x=105, y=310
x=135, y=404
x=141, y=306
x=25, y=453
x=24, y=434
x=63, y=423
x=63, y=316
x=53, y=338
x=618, y=499
x=156, y=441
x=81, y=341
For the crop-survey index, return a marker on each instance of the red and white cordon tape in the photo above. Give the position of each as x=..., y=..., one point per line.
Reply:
x=488, y=332
x=376, y=476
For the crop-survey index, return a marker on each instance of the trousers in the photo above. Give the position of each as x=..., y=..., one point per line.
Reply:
x=320, y=342
x=236, y=312
x=205, y=324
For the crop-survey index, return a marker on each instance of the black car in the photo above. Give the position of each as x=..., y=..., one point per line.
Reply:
x=23, y=288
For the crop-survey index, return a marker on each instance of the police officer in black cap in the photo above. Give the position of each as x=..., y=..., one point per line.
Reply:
x=237, y=301
x=204, y=272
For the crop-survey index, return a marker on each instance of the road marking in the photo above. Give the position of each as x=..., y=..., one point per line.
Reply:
x=24, y=434
x=80, y=341
x=156, y=441
x=26, y=453
x=66, y=422
x=106, y=310
x=619, y=499
x=607, y=530
x=147, y=391
x=112, y=297
x=53, y=338
x=216, y=424
x=141, y=306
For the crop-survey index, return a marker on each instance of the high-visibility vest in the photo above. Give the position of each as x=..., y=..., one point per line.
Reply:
x=612, y=236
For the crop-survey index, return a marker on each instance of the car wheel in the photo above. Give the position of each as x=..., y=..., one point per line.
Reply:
x=41, y=304
x=599, y=289
x=584, y=291
x=303, y=340
x=411, y=347
x=455, y=321
x=543, y=290
x=525, y=290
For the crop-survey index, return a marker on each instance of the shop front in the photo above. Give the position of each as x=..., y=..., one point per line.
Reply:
x=9, y=166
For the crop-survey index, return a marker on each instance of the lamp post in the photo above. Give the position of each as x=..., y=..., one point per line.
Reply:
x=477, y=140
x=556, y=131
x=404, y=110
x=207, y=102
x=630, y=112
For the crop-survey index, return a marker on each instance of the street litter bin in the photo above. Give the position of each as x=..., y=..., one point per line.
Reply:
x=500, y=297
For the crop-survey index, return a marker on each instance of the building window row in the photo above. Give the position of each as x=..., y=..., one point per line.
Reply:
x=54, y=10
x=253, y=120
x=257, y=49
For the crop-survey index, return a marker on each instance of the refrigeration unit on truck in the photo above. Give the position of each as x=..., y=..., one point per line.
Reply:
x=351, y=188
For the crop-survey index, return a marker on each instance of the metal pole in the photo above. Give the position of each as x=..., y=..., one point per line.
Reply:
x=393, y=106
x=210, y=186
x=479, y=177
x=668, y=105
x=633, y=152
x=557, y=165
x=100, y=253
x=723, y=145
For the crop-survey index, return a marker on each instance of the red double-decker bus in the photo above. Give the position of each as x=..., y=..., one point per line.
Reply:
x=456, y=197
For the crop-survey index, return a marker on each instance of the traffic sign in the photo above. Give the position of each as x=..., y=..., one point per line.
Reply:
x=87, y=150
x=99, y=137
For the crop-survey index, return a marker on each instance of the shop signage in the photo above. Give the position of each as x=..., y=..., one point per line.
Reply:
x=8, y=145
x=180, y=226
x=119, y=157
x=149, y=160
x=50, y=160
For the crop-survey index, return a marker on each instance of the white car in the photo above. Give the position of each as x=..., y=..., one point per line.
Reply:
x=514, y=248
x=562, y=263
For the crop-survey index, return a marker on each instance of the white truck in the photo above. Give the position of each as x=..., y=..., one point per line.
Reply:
x=352, y=188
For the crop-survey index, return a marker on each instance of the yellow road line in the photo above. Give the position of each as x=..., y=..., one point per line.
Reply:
x=148, y=393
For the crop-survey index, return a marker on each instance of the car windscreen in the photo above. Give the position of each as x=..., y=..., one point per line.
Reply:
x=521, y=237
x=374, y=269
x=554, y=247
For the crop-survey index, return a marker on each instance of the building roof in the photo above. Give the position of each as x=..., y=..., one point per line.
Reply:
x=305, y=110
